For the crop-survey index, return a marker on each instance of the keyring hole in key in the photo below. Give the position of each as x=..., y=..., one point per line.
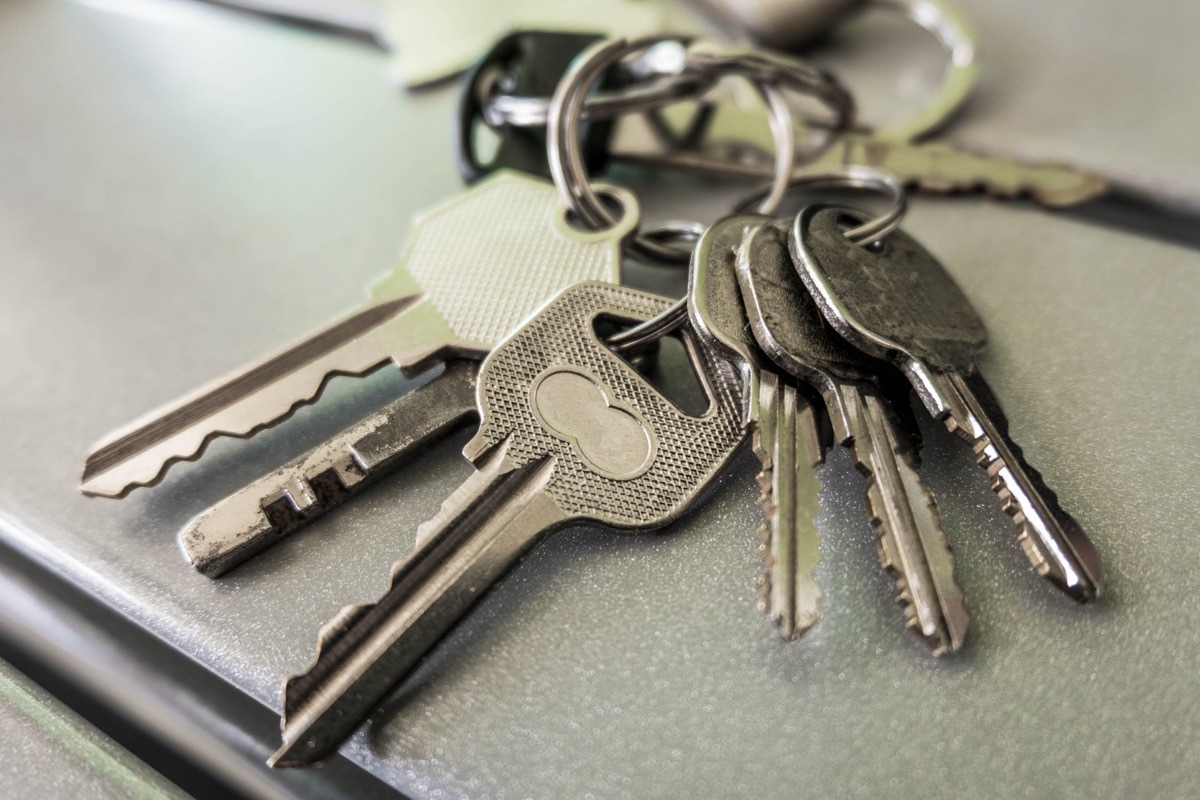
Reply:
x=664, y=363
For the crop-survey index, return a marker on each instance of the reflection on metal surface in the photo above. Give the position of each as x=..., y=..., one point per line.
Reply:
x=59, y=754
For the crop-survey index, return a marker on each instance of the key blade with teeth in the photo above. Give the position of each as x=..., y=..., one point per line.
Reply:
x=569, y=432
x=473, y=269
x=912, y=546
x=788, y=491
x=726, y=137
x=942, y=168
x=899, y=304
x=261, y=514
x=788, y=438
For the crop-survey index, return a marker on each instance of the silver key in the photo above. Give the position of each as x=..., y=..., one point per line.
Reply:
x=941, y=168
x=785, y=427
x=569, y=433
x=791, y=331
x=472, y=270
x=899, y=304
x=261, y=514
x=730, y=138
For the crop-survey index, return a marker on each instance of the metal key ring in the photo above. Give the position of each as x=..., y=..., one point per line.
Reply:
x=565, y=158
x=693, y=76
x=664, y=87
x=849, y=177
x=875, y=229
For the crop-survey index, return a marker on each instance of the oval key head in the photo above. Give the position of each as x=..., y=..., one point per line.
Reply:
x=714, y=299
x=859, y=289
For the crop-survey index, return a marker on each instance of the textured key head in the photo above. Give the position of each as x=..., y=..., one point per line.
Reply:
x=489, y=257
x=896, y=302
x=714, y=299
x=783, y=315
x=624, y=454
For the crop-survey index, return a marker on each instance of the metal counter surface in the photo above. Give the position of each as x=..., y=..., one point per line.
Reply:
x=49, y=751
x=180, y=197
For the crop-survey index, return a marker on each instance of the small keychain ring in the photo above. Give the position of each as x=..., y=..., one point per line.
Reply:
x=563, y=151
x=848, y=177
x=871, y=231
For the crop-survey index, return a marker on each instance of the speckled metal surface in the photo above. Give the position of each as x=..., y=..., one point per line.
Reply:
x=50, y=751
x=180, y=197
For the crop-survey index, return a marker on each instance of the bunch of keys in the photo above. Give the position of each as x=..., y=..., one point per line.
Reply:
x=786, y=323
x=570, y=432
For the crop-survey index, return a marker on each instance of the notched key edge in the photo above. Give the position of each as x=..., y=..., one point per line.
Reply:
x=127, y=443
x=1009, y=474
x=804, y=615
x=216, y=541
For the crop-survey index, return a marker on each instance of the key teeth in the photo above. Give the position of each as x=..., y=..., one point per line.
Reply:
x=1088, y=188
x=327, y=638
x=940, y=642
x=992, y=458
x=965, y=171
x=90, y=471
x=1025, y=536
x=766, y=503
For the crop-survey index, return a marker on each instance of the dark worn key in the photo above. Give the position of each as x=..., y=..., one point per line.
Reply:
x=786, y=430
x=791, y=331
x=264, y=512
x=896, y=302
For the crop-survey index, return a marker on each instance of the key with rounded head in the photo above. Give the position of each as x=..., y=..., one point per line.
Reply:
x=786, y=432
x=569, y=433
x=896, y=302
x=790, y=330
x=472, y=270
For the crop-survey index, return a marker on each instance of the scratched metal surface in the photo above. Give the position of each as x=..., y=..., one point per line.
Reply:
x=183, y=190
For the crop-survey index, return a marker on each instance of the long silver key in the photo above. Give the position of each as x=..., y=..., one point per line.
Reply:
x=569, y=433
x=262, y=513
x=733, y=138
x=473, y=269
x=786, y=432
x=898, y=303
x=912, y=546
